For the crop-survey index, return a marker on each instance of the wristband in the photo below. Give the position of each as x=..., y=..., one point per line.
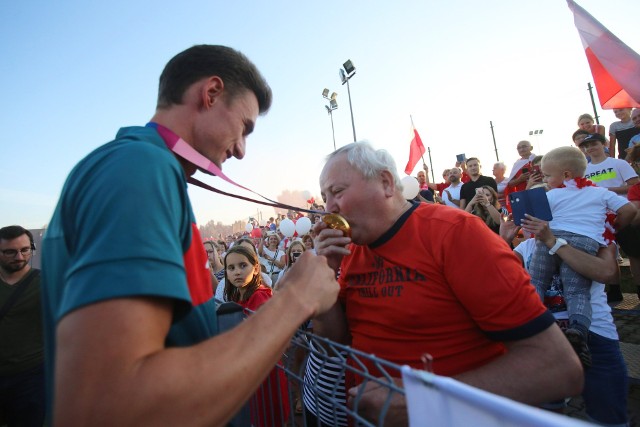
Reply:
x=559, y=243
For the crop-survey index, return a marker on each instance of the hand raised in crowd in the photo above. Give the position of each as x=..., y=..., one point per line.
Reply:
x=539, y=228
x=534, y=178
x=449, y=195
x=509, y=229
x=322, y=290
x=331, y=243
x=373, y=397
x=523, y=178
x=479, y=198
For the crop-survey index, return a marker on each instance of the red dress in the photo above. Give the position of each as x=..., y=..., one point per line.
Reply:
x=270, y=404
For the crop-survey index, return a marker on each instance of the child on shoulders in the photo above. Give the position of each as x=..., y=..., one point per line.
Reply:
x=579, y=209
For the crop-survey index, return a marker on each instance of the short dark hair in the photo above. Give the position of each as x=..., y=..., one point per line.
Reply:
x=13, y=232
x=579, y=132
x=200, y=61
x=466, y=162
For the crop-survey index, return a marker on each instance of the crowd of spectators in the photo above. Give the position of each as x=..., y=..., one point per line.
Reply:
x=465, y=188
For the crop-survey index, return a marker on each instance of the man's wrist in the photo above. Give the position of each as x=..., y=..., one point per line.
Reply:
x=550, y=242
x=557, y=245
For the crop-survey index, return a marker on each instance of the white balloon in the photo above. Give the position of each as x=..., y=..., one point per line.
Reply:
x=287, y=227
x=411, y=187
x=248, y=227
x=303, y=225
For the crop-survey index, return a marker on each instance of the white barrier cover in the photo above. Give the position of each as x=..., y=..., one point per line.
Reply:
x=437, y=401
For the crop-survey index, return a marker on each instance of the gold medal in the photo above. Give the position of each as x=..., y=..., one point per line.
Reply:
x=337, y=222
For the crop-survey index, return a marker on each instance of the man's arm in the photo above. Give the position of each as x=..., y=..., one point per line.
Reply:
x=519, y=180
x=462, y=203
x=112, y=367
x=451, y=199
x=546, y=360
x=603, y=268
x=625, y=215
x=624, y=189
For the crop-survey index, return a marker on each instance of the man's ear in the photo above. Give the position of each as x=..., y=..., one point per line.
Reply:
x=212, y=90
x=388, y=183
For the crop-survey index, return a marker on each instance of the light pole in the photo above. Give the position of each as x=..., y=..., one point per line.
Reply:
x=333, y=105
x=536, y=134
x=345, y=75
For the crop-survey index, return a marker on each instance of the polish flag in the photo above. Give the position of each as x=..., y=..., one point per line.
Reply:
x=614, y=65
x=415, y=152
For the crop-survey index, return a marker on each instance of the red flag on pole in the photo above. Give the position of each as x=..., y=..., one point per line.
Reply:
x=415, y=152
x=614, y=65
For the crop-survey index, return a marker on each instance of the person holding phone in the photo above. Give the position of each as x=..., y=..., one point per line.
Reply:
x=522, y=167
x=520, y=171
x=535, y=176
x=579, y=209
x=477, y=180
x=485, y=205
x=295, y=249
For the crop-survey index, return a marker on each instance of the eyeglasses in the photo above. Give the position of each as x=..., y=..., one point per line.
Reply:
x=11, y=253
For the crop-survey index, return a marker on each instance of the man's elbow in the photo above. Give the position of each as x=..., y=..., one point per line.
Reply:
x=575, y=379
x=571, y=375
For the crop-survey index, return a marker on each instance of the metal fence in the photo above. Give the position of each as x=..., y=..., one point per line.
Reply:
x=307, y=387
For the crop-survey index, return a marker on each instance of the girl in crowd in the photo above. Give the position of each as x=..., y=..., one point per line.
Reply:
x=295, y=249
x=486, y=206
x=272, y=255
x=215, y=261
x=621, y=132
x=243, y=285
x=586, y=122
x=248, y=244
x=308, y=243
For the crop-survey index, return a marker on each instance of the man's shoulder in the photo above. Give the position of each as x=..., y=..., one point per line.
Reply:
x=435, y=212
x=617, y=126
x=134, y=150
x=487, y=179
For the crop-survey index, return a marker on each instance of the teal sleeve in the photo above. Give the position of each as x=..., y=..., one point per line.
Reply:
x=126, y=217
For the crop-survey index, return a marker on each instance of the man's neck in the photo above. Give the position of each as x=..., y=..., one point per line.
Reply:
x=176, y=119
x=11, y=278
x=475, y=178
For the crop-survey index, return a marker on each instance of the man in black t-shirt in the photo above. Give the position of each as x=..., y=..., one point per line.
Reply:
x=468, y=189
x=22, y=401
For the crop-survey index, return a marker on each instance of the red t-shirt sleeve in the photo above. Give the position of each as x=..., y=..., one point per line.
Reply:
x=634, y=192
x=491, y=284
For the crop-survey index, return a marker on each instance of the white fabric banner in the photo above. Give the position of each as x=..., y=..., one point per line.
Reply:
x=437, y=401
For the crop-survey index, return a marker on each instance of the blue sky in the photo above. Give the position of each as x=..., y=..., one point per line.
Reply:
x=73, y=72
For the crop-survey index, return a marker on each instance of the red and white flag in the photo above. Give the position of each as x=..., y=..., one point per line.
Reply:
x=416, y=151
x=614, y=65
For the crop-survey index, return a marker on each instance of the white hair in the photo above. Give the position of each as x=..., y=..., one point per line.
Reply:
x=369, y=161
